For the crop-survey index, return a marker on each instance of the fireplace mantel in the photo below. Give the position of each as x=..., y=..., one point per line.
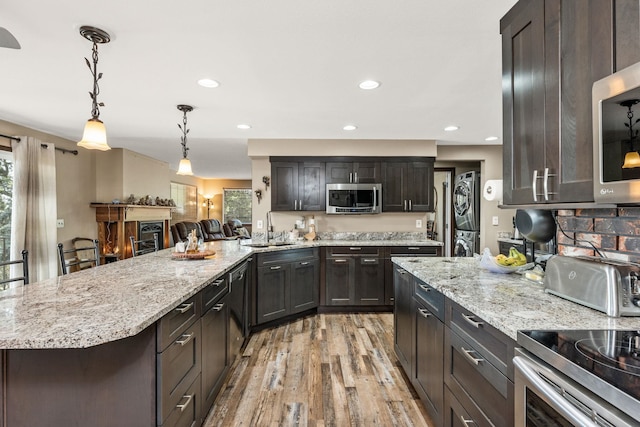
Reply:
x=116, y=222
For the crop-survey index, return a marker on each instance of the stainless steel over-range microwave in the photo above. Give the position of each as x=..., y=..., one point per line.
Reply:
x=354, y=198
x=616, y=137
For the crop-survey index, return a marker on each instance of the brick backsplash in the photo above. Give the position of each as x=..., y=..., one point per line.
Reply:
x=615, y=232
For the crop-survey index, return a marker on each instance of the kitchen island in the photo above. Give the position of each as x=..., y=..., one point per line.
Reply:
x=88, y=348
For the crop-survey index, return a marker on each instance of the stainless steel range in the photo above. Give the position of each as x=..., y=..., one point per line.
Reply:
x=577, y=378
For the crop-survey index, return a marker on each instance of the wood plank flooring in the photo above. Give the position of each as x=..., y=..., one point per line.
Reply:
x=322, y=370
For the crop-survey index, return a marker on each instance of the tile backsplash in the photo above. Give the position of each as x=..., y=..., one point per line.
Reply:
x=615, y=232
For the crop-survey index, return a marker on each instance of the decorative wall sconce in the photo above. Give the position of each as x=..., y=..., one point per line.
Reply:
x=258, y=195
x=266, y=181
x=94, y=136
x=632, y=158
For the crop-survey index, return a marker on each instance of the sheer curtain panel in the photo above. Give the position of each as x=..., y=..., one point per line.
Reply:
x=33, y=221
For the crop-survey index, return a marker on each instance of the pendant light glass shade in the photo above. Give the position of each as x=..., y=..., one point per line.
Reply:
x=631, y=160
x=184, y=168
x=94, y=136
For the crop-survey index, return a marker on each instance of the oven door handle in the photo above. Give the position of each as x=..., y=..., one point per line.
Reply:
x=548, y=393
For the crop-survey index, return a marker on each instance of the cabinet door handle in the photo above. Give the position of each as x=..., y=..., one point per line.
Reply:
x=183, y=406
x=353, y=248
x=469, y=319
x=217, y=283
x=218, y=307
x=413, y=248
x=355, y=177
x=534, y=185
x=295, y=205
x=184, y=339
x=183, y=308
x=426, y=288
x=410, y=205
x=473, y=360
x=401, y=271
x=545, y=184
x=465, y=421
x=277, y=267
x=350, y=176
x=405, y=205
x=300, y=204
x=424, y=313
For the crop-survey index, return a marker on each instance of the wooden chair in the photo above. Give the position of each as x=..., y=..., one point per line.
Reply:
x=5, y=267
x=144, y=246
x=84, y=254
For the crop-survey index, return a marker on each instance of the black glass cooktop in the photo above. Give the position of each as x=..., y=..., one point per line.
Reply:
x=613, y=356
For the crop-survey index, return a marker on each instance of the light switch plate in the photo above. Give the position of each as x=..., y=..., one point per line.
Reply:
x=494, y=220
x=60, y=223
x=418, y=223
x=259, y=224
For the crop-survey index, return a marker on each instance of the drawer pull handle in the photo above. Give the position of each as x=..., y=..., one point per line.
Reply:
x=183, y=308
x=413, y=248
x=183, y=406
x=469, y=318
x=184, y=339
x=465, y=421
x=353, y=248
x=370, y=260
x=424, y=312
x=426, y=288
x=278, y=267
x=339, y=260
x=470, y=357
x=218, y=307
x=304, y=263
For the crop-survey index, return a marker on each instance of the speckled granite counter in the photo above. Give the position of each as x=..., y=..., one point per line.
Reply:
x=121, y=299
x=507, y=301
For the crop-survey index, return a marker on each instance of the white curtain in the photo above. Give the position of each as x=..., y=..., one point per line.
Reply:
x=33, y=218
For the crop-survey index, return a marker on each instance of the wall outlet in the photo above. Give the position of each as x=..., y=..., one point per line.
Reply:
x=494, y=220
x=259, y=224
x=60, y=223
x=418, y=223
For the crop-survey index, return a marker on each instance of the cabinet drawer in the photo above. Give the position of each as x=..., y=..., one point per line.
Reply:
x=178, y=366
x=212, y=293
x=186, y=413
x=354, y=250
x=288, y=255
x=496, y=347
x=414, y=251
x=458, y=415
x=431, y=298
x=468, y=373
x=173, y=324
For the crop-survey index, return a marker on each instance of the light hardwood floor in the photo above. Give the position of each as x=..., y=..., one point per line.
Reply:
x=322, y=370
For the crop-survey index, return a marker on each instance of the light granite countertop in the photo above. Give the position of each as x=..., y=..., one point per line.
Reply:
x=121, y=299
x=507, y=301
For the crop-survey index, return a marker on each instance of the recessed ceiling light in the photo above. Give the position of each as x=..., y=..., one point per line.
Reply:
x=243, y=126
x=451, y=128
x=349, y=127
x=208, y=83
x=491, y=138
x=369, y=84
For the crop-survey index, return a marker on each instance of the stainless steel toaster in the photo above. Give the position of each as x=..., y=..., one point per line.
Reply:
x=603, y=284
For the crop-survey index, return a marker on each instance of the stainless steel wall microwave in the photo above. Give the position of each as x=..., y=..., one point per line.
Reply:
x=616, y=122
x=354, y=198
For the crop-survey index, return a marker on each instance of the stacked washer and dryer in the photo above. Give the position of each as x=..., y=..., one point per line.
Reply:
x=466, y=203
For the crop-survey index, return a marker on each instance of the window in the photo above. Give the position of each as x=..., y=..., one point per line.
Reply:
x=236, y=204
x=185, y=197
x=6, y=196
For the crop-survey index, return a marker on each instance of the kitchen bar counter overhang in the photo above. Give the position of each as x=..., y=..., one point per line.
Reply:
x=119, y=300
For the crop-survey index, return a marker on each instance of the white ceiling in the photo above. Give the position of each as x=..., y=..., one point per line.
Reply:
x=289, y=68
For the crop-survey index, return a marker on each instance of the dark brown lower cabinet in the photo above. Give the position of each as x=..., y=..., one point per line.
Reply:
x=354, y=276
x=215, y=352
x=287, y=283
x=403, y=318
x=454, y=413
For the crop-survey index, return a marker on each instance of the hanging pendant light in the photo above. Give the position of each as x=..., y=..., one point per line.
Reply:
x=95, y=134
x=184, y=168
